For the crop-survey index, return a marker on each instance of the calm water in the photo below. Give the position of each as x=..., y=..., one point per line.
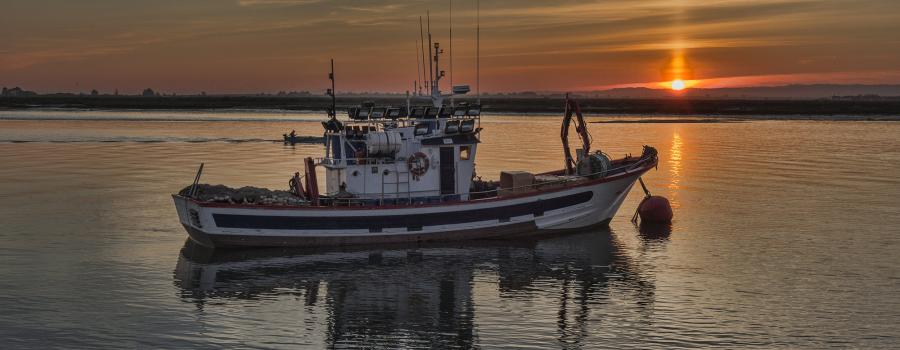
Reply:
x=786, y=236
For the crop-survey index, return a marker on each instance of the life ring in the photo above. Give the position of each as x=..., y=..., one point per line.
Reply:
x=417, y=164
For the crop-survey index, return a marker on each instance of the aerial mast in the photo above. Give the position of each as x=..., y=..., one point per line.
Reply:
x=422, y=42
x=416, y=83
x=333, y=112
x=478, y=50
x=451, y=50
x=430, y=59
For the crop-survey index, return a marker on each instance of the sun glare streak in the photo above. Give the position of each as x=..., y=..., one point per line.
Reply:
x=675, y=168
x=677, y=74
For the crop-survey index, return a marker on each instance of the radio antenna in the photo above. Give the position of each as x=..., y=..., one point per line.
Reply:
x=431, y=59
x=478, y=50
x=333, y=112
x=417, y=83
x=422, y=42
x=451, y=51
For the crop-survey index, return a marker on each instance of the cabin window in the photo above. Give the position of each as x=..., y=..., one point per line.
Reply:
x=421, y=129
x=464, y=152
x=336, y=147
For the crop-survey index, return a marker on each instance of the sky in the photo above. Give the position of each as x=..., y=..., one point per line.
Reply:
x=248, y=46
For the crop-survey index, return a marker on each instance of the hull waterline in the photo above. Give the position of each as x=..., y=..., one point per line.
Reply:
x=580, y=206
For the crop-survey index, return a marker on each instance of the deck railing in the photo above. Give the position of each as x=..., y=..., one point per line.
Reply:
x=354, y=161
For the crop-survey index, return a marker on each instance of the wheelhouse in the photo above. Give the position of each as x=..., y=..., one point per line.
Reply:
x=402, y=155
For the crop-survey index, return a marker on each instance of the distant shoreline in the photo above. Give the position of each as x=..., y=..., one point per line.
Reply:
x=779, y=109
x=669, y=121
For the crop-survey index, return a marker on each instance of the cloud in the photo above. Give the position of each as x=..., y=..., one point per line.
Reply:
x=379, y=9
x=526, y=44
x=115, y=45
x=276, y=2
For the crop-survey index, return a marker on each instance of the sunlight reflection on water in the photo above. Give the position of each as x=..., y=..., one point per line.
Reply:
x=675, y=168
x=787, y=245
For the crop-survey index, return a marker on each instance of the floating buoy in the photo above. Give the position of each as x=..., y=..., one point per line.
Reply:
x=655, y=209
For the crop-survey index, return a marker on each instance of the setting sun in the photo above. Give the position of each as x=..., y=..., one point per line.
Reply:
x=678, y=85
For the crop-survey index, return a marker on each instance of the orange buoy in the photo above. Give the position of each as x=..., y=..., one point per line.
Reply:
x=655, y=209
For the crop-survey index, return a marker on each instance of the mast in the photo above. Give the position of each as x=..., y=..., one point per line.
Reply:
x=422, y=43
x=478, y=50
x=430, y=67
x=333, y=112
x=451, y=51
x=418, y=70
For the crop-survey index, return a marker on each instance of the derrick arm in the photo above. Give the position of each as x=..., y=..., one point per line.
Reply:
x=572, y=108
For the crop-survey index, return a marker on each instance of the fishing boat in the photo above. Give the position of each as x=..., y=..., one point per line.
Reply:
x=291, y=139
x=401, y=174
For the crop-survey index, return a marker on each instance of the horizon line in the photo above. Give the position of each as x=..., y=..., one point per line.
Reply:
x=363, y=92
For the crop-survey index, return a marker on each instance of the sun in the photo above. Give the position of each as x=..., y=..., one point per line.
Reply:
x=678, y=85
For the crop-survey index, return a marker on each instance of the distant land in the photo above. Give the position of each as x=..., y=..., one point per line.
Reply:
x=790, y=100
x=817, y=91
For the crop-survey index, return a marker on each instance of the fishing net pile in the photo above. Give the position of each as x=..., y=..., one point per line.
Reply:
x=243, y=195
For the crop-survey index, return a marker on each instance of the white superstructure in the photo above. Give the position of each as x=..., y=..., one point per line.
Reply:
x=426, y=153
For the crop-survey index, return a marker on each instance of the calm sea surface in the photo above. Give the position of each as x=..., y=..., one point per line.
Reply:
x=786, y=235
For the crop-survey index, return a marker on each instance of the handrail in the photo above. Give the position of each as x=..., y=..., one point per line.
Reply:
x=404, y=120
x=331, y=160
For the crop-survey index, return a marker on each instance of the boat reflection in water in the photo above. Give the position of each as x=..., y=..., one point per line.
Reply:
x=424, y=295
x=655, y=231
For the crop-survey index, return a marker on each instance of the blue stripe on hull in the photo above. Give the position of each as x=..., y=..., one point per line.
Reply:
x=536, y=208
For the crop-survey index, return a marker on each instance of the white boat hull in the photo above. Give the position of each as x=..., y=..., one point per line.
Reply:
x=569, y=208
